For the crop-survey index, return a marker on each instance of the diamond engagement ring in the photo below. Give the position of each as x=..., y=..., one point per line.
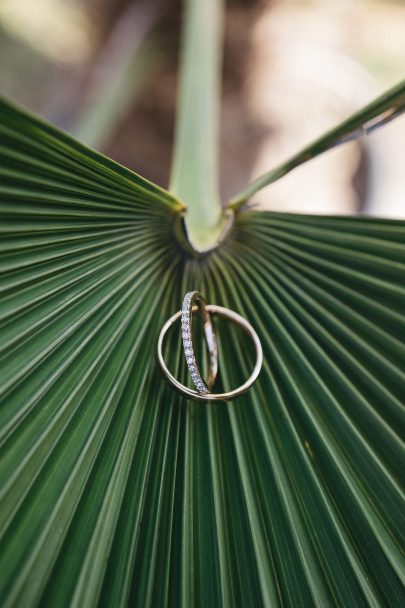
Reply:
x=193, y=302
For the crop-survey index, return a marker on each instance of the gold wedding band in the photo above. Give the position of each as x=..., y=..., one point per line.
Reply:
x=203, y=391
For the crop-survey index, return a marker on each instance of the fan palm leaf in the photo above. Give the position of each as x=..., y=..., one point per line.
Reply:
x=117, y=491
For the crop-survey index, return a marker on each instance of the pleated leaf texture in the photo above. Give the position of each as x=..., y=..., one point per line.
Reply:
x=115, y=490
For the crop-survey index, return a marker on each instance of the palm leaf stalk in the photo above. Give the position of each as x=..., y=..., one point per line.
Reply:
x=379, y=112
x=115, y=491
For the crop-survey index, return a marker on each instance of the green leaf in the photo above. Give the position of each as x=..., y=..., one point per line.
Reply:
x=116, y=491
x=379, y=112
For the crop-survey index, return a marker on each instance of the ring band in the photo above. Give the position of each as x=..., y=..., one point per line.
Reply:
x=238, y=320
x=187, y=337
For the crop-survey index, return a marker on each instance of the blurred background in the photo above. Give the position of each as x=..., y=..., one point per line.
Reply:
x=106, y=72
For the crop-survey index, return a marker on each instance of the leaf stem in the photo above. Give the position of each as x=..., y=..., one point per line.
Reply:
x=194, y=176
x=378, y=113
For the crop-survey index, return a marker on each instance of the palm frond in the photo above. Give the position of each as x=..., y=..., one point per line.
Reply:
x=116, y=491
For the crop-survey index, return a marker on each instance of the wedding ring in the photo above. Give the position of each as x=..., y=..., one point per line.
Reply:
x=203, y=391
x=187, y=337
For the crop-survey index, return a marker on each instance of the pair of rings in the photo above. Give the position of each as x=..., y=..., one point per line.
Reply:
x=193, y=302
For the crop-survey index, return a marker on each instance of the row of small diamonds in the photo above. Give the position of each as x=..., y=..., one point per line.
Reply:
x=187, y=343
